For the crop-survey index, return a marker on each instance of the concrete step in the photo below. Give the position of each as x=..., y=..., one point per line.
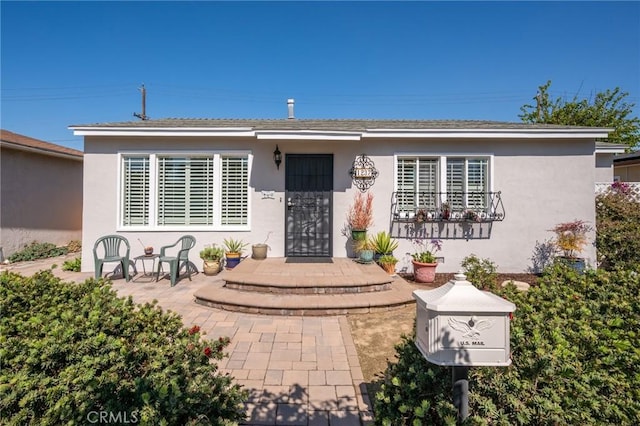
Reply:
x=217, y=295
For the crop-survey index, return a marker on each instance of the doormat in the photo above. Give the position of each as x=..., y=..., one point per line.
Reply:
x=309, y=260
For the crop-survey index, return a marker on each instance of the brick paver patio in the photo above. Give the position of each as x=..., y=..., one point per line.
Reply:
x=299, y=370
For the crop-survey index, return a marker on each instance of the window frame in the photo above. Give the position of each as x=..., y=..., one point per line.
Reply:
x=153, y=157
x=442, y=167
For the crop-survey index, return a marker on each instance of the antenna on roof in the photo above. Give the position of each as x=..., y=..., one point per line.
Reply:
x=143, y=116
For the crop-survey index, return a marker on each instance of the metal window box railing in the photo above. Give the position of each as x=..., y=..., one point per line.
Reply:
x=447, y=207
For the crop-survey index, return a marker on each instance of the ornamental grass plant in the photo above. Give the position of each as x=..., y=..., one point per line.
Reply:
x=360, y=213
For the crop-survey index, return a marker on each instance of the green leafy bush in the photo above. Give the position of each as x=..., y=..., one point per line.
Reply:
x=37, y=250
x=481, y=272
x=575, y=350
x=618, y=236
x=73, y=351
x=72, y=265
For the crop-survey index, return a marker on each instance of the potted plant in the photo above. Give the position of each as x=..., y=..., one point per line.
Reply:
x=234, y=249
x=259, y=250
x=360, y=216
x=571, y=238
x=382, y=243
x=212, y=259
x=470, y=216
x=445, y=211
x=424, y=260
x=388, y=263
x=364, y=249
x=421, y=216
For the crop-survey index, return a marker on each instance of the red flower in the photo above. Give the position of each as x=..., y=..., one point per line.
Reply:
x=194, y=329
x=207, y=351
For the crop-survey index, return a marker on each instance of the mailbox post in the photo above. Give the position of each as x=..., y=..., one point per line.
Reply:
x=460, y=326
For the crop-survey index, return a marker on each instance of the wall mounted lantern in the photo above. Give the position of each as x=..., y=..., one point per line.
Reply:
x=277, y=157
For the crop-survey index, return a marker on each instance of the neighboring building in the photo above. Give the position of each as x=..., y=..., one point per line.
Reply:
x=605, y=156
x=40, y=192
x=626, y=168
x=156, y=180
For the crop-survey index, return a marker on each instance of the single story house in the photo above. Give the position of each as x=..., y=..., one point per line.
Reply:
x=627, y=167
x=40, y=192
x=290, y=182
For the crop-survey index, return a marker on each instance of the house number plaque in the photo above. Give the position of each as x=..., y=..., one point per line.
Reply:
x=363, y=172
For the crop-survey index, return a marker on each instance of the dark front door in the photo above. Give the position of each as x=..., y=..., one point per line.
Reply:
x=309, y=195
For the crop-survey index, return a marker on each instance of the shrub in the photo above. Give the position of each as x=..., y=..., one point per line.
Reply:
x=414, y=391
x=574, y=342
x=74, y=246
x=72, y=265
x=37, y=250
x=480, y=272
x=69, y=350
x=618, y=236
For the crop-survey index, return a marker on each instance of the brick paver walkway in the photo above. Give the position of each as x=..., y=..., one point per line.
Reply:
x=299, y=370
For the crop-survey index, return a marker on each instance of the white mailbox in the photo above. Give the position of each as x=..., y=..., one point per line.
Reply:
x=459, y=325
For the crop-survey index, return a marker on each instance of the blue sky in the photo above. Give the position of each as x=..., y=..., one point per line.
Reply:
x=65, y=63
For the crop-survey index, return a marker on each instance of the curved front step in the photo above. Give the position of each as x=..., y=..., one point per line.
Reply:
x=218, y=296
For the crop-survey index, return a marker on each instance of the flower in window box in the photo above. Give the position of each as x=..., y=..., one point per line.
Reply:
x=421, y=216
x=471, y=216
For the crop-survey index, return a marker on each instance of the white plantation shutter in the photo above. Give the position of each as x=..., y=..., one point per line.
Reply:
x=406, y=179
x=455, y=182
x=185, y=191
x=427, y=181
x=477, y=183
x=234, y=196
x=135, y=191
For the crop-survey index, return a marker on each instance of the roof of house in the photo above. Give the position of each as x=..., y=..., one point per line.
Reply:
x=337, y=129
x=328, y=124
x=610, y=148
x=631, y=158
x=24, y=143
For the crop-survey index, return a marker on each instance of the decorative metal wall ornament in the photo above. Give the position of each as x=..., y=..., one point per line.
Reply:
x=363, y=172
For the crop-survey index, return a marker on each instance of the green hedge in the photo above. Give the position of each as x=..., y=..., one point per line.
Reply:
x=575, y=350
x=618, y=236
x=73, y=352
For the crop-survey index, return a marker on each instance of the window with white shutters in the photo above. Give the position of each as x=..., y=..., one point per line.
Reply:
x=135, y=191
x=235, y=185
x=185, y=191
x=467, y=182
x=210, y=191
x=455, y=182
x=416, y=180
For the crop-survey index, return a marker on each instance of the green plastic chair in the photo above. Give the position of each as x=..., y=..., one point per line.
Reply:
x=184, y=244
x=111, y=249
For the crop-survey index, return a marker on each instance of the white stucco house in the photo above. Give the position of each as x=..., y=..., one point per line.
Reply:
x=157, y=180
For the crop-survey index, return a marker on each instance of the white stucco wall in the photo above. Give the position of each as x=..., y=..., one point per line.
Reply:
x=543, y=182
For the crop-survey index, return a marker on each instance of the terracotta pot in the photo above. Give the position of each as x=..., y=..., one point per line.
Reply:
x=389, y=268
x=424, y=272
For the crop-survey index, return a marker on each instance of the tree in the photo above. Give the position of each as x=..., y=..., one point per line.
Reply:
x=605, y=109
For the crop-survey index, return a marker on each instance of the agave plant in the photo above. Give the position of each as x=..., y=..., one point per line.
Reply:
x=383, y=243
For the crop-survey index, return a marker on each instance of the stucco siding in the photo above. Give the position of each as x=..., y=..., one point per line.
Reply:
x=41, y=199
x=542, y=183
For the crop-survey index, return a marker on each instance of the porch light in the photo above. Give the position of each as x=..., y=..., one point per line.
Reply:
x=277, y=157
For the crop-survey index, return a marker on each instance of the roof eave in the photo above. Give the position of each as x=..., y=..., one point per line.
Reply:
x=41, y=151
x=338, y=134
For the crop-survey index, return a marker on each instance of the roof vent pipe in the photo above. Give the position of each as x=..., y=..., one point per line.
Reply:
x=290, y=103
